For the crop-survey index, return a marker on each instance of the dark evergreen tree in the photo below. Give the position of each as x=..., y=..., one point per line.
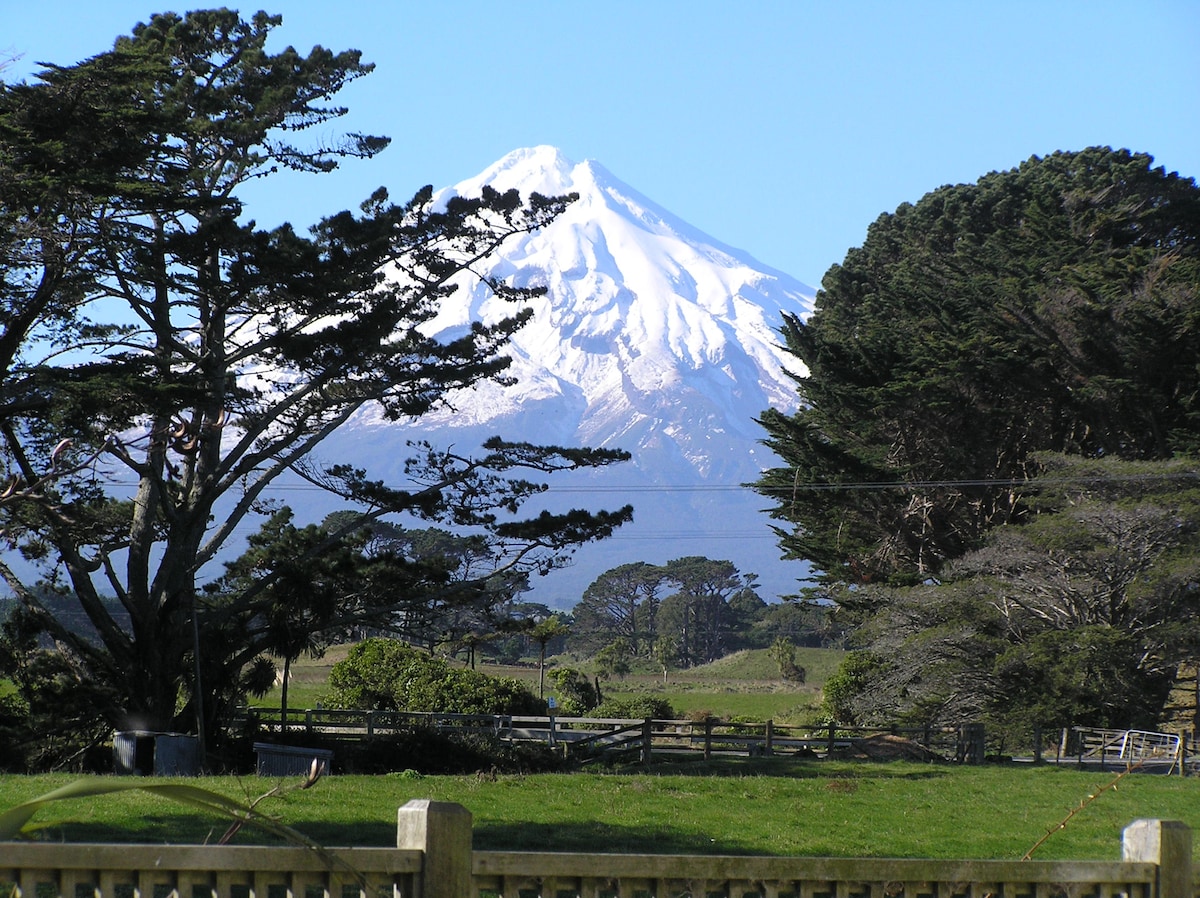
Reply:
x=290, y=593
x=697, y=614
x=1051, y=307
x=704, y=608
x=803, y=623
x=620, y=602
x=1081, y=616
x=210, y=356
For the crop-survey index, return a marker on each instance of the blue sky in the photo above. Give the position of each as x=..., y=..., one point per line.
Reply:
x=781, y=127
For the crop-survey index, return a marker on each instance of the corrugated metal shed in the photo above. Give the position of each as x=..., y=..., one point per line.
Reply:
x=145, y=753
x=290, y=760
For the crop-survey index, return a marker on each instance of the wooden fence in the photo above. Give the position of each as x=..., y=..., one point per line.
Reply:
x=582, y=737
x=434, y=859
x=1128, y=747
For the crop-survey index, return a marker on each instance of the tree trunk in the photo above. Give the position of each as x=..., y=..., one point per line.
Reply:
x=283, y=695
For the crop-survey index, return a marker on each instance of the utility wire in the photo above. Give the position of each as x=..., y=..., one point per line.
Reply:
x=807, y=485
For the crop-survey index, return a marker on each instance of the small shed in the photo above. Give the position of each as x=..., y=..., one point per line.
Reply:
x=146, y=753
x=290, y=760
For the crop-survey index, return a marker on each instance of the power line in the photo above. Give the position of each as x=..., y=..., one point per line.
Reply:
x=808, y=486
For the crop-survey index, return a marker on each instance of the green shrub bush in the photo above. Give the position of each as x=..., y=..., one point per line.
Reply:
x=386, y=674
x=576, y=694
x=428, y=751
x=640, y=706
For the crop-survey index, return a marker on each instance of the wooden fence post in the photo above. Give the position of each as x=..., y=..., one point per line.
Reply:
x=442, y=831
x=647, y=740
x=769, y=739
x=1167, y=843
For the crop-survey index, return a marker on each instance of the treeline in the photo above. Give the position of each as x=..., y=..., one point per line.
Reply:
x=689, y=611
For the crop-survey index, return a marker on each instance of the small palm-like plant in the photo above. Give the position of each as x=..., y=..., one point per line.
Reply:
x=240, y=814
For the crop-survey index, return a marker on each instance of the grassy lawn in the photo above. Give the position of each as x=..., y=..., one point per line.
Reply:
x=744, y=685
x=776, y=807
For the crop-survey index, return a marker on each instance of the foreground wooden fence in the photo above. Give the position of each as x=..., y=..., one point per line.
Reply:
x=434, y=859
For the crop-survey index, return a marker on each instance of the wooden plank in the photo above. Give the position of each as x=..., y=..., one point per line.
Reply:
x=195, y=884
x=27, y=882
x=68, y=880
x=853, y=870
x=204, y=858
x=217, y=869
x=108, y=883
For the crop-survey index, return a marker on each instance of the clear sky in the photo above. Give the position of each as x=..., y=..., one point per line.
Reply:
x=781, y=127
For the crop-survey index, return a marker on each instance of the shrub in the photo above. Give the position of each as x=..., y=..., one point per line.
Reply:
x=577, y=695
x=386, y=674
x=783, y=651
x=641, y=706
x=428, y=751
x=425, y=750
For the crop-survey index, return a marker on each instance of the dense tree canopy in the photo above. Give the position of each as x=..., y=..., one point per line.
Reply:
x=992, y=464
x=688, y=611
x=620, y=603
x=1080, y=617
x=1051, y=307
x=165, y=360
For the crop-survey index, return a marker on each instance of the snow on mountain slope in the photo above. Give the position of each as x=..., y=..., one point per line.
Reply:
x=652, y=337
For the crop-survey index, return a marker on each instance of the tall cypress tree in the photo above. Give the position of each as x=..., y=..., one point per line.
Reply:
x=208, y=356
x=1051, y=307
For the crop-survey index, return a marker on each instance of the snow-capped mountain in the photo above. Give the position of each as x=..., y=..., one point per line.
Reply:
x=652, y=337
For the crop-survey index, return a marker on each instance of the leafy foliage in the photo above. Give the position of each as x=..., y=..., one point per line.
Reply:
x=1050, y=307
x=613, y=659
x=620, y=602
x=633, y=707
x=386, y=674
x=207, y=357
x=1081, y=616
x=575, y=693
x=973, y=373
x=783, y=653
x=688, y=611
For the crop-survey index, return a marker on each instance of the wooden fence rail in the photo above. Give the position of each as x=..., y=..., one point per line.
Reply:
x=434, y=859
x=1129, y=747
x=583, y=736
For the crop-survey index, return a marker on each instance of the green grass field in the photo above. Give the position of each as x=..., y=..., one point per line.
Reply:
x=775, y=807
x=745, y=685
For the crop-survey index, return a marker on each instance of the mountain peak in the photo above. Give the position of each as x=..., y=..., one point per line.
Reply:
x=651, y=336
x=540, y=169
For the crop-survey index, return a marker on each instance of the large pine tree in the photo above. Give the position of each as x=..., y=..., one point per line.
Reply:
x=167, y=360
x=1055, y=306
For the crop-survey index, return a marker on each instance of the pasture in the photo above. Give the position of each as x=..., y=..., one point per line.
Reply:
x=743, y=686
x=767, y=806
x=764, y=806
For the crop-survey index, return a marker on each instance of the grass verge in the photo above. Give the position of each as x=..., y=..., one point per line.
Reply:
x=772, y=807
